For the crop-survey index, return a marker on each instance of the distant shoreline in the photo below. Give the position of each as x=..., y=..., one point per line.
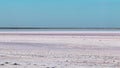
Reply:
x=63, y=33
x=59, y=28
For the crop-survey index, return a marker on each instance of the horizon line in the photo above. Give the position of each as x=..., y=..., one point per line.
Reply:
x=59, y=28
x=56, y=28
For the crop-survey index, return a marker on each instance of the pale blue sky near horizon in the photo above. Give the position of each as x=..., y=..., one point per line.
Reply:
x=59, y=13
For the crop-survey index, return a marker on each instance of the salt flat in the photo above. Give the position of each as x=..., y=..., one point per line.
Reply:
x=59, y=50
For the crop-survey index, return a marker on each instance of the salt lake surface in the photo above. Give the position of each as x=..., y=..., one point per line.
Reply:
x=60, y=49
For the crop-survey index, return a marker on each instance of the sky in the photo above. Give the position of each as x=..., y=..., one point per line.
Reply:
x=60, y=13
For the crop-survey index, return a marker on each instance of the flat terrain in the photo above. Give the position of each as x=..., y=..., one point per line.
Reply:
x=59, y=50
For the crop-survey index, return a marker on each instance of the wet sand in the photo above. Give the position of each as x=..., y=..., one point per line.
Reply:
x=59, y=50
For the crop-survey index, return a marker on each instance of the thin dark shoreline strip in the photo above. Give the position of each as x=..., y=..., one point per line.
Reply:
x=71, y=34
x=89, y=28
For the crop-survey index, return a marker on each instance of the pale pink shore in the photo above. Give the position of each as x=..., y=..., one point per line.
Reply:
x=60, y=49
x=66, y=33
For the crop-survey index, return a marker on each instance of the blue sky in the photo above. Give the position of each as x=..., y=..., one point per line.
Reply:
x=60, y=13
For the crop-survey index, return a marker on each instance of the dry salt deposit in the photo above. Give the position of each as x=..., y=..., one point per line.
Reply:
x=59, y=50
